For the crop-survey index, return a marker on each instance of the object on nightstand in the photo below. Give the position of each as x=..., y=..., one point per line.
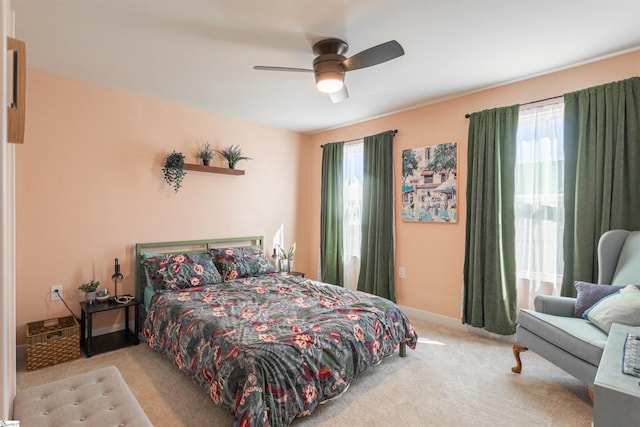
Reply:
x=275, y=258
x=102, y=295
x=89, y=290
x=115, y=277
x=286, y=259
x=123, y=299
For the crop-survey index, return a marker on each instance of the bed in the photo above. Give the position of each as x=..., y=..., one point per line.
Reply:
x=268, y=347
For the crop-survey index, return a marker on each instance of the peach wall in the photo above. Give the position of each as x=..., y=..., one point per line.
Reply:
x=433, y=254
x=90, y=186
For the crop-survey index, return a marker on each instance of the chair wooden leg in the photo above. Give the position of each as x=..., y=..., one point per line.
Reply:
x=517, y=349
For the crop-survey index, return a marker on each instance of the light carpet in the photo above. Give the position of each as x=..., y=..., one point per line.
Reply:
x=453, y=378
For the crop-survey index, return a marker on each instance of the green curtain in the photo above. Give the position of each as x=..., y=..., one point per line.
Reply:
x=377, y=262
x=489, y=267
x=331, y=213
x=602, y=172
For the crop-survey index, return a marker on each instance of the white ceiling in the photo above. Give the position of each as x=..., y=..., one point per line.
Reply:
x=201, y=52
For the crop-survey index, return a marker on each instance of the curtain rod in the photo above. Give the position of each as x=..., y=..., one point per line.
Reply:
x=527, y=103
x=395, y=131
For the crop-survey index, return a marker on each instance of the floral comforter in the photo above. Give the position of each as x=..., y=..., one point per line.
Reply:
x=271, y=348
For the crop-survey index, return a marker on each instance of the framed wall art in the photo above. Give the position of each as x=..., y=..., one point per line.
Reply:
x=429, y=183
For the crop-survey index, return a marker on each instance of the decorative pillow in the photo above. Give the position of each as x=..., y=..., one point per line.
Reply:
x=154, y=266
x=146, y=255
x=180, y=271
x=241, y=262
x=589, y=294
x=622, y=307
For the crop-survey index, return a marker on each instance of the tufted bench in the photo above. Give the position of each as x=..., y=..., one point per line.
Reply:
x=97, y=398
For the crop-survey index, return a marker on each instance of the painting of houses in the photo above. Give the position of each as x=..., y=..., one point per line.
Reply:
x=429, y=178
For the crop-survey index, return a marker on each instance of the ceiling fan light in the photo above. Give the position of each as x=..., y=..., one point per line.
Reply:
x=329, y=82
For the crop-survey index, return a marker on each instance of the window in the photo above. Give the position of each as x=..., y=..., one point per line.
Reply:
x=353, y=167
x=539, y=204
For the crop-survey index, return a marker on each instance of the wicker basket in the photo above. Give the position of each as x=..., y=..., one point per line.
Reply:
x=52, y=341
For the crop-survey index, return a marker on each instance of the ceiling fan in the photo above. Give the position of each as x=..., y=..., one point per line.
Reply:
x=330, y=64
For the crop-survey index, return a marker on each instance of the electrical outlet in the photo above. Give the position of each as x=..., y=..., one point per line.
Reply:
x=402, y=273
x=56, y=296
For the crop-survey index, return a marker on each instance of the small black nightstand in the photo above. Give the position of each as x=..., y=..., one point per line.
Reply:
x=114, y=340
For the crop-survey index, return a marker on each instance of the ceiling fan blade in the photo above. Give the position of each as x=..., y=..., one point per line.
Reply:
x=339, y=96
x=298, y=70
x=373, y=56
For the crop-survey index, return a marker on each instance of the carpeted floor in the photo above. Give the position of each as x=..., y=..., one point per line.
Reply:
x=453, y=378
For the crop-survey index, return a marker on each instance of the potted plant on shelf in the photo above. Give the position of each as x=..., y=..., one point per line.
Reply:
x=206, y=154
x=173, y=170
x=286, y=259
x=89, y=290
x=233, y=154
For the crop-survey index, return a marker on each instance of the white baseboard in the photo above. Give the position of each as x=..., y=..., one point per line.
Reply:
x=452, y=323
x=427, y=316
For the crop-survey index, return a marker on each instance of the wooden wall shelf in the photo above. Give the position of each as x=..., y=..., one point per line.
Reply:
x=212, y=169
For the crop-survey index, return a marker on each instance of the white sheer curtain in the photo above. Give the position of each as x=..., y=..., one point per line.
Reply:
x=352, y=196
x=539, y=205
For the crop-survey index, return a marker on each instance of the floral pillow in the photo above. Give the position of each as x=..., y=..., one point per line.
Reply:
x=154, y=267
x=180, y=271
x=241, y=262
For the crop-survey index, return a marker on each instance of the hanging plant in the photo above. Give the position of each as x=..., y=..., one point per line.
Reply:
x=233, y=154
x=173, y=170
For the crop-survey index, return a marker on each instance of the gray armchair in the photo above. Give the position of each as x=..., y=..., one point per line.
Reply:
x=575, y=344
